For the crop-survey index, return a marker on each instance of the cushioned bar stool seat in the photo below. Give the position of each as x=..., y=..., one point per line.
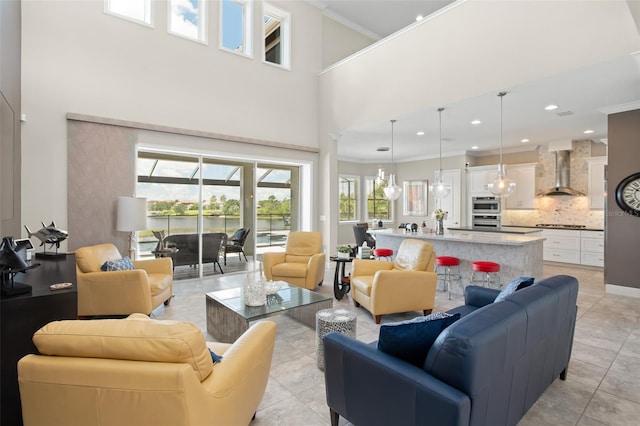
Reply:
x=490, y=273
x=383, y=252
x=443, y=269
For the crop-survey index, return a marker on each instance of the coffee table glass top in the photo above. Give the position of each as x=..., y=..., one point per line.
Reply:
x=288, y=297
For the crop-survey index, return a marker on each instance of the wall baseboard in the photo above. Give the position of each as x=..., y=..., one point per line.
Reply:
x=621, y=290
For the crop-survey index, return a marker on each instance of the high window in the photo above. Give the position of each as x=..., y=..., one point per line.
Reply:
x=134, y=10
x=187, y=18
x=235, y=26
x=348, y=190
x=378, y=207
x=276, y=27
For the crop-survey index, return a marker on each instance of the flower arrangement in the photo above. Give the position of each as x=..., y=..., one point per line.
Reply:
x=439, y=214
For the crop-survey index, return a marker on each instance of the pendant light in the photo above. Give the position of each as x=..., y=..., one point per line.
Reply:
x=502, y=186
x=439, y=188
x=392, y=191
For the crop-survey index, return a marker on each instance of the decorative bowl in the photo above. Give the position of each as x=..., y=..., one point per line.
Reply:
x=272, y=287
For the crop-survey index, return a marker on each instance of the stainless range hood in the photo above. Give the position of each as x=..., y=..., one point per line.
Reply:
x=562, y=177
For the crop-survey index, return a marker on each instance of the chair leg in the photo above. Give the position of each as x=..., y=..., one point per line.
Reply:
x=245, y=256
x=356, y=304
x=225, y=258
x=215, y=262
x=378, y=319
x=335, y=417
x=427, y=312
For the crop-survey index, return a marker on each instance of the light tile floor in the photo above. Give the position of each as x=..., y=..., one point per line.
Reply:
x=602, y=388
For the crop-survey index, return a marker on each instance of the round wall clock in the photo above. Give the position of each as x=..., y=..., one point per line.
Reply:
x=628, y=194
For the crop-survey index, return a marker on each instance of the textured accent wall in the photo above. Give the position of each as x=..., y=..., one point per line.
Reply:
x=101, y=167
x=622, y=231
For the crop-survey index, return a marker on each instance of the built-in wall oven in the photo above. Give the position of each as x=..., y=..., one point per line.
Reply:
x=485, y=221
x=485, y=212
x=485, y=205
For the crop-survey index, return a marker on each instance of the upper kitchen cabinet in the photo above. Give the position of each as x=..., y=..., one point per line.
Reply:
x=523, y=196
x=596, y=182
x=479, y=178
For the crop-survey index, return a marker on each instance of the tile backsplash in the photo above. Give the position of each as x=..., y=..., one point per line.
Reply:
x=561, y=209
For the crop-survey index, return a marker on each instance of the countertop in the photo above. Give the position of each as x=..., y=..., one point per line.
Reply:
x=497, y=239
x=553, y=227
x=502, y=230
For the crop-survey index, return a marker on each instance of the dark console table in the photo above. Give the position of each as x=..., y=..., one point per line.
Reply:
x=23, y=315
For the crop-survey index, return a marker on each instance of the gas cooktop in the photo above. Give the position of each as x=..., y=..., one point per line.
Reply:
x=559, y=225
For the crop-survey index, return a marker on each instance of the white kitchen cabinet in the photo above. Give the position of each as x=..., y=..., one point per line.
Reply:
x=592, y=248
x=561, y=245
x=523, y=196
x=596, y=194
x=479, y=178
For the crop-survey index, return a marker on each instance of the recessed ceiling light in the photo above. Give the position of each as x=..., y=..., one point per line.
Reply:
x=474, y=147
x=383, y=149
x=420, y=133
x=476, y=122
x=524, y=140
x=551, y=107
x=419, y=18
x=586, y=132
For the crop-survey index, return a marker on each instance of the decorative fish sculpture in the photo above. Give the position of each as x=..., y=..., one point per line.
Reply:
x=49, y=234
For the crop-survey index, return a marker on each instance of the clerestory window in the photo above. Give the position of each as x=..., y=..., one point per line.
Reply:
x=134, y=10
x=187, y=18
x=235, y=26
x=276, y=25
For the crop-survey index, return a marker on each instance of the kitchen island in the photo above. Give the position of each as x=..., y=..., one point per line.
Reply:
x=518, y=255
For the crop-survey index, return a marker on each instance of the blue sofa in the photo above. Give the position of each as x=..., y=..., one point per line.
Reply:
x=488, y=368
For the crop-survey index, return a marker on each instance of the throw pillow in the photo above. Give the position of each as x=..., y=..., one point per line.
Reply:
x=215, y=357
x=411, y=340
x=513, y=286
x=118, y=265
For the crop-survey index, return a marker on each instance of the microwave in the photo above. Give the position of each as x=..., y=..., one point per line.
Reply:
x=485, y=205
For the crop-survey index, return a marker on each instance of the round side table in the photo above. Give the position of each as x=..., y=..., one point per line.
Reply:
x=333, y=319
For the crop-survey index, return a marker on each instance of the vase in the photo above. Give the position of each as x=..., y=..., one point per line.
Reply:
x=254, y=292
x=440, y=227
x=342, y=255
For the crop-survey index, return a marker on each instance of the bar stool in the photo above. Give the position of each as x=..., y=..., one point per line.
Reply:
x=383, y=252
x=489, y=269
x=446, y=263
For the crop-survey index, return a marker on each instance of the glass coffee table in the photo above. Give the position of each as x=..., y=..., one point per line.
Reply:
x=228, y=317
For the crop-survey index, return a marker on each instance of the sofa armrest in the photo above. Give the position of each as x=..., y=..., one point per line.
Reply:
x=370, y=387
x=479, y=296
x=163, y=265
x=368, y=267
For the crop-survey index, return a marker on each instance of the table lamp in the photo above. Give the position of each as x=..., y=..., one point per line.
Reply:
x=132, y=216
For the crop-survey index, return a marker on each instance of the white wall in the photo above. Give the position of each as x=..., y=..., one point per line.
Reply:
x=340, y=41
x=78, y=59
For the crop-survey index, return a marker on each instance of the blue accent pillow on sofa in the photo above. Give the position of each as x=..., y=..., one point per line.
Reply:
x=513, y=286
x=123, y=264
x=411, y=340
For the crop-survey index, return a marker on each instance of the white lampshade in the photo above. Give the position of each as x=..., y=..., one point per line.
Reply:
x=132, y=214
x=392, y=191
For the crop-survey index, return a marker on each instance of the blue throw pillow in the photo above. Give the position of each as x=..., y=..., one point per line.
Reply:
x=411, y=340
x=513, y=286
x=123, y=264
x=215, y=357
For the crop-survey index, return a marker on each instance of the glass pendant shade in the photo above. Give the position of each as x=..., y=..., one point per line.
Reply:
x=502, y=186
x=440, y=189
x=392, y=191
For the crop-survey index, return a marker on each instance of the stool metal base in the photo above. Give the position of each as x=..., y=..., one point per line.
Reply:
x=486, y=280
x=446, y=276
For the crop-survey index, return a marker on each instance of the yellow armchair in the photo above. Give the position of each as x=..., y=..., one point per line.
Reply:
x=140, y=371
x=406, y=284
x=302, y=263
x=120, y=292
